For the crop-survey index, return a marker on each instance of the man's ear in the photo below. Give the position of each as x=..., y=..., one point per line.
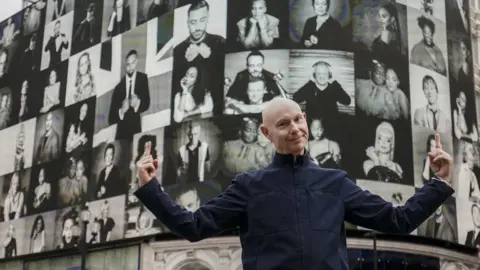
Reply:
x=264, y=130
x=304, y=116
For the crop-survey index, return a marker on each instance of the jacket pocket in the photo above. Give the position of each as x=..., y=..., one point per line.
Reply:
x=270, y=213
x=326, y=211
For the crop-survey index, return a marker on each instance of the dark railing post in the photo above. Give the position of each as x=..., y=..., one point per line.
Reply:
x=83, y=246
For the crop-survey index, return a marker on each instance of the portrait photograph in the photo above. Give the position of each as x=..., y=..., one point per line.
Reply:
x=118, y=17
x=34, y=16
x=257, y=25
x=382, y=152
x=51, y=88
x=57, y=39
x=252, y=78
x=395, y=194
x=427, y=41
x=18, y=154
x=13, y=238
x=110, y=172
x=6, y=107
x=87, y=24
x=39, y=233
x=200, y=42
x=442, y=224
x=200, y=140
x=423, y=143
x=49, y=133
x=464, y=114
x=458, y=16
x=155, y=137
x=106, y=220
x=10, y=30
x=88, y=76
x=13, y=197
x=380, y=34
x=43, y=187
x=321, y=25
x=150, y=9
x=454, y=265
x=193, y=195
x=434, y=8
x=28, y=55
x=79, y=120
x=139, y=221
x=23, y=105
x=160, y=43
x=430, y=96
x=73, y=174
x=68, y=228
x=468, y=221
x=57, y=8
x=466, y=170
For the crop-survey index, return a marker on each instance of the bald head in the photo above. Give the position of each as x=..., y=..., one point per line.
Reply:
x=275, y=107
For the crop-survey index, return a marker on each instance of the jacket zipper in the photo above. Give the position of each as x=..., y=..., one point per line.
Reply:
x=297, y=216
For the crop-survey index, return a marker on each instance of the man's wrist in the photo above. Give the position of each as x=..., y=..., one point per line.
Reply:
x=442, y=179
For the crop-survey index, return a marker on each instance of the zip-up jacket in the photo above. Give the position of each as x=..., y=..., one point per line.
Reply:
x=291, y=214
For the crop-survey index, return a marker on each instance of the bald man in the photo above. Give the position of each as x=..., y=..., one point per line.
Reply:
x=291, y=214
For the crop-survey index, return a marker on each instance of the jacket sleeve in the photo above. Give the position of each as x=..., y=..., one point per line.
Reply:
x=212, y=218
x=371, y=211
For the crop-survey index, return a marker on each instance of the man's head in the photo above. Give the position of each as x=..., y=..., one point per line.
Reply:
x=378, y=73
x=131, y=62
x=428, y=30
x=322, y=73
x=56, y=28
x=193, y=132
x=48, y=122
x=248, y=130
x=198, y=19
x=285, y=125
x=189, y=199
x=255, y=63
x=3, y=61
x=109, y=154
x=430, y=89
x=256, y=90
x=259, y=8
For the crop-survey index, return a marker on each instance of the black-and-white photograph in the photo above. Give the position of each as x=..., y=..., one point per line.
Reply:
x=383, y=93
x=150, y=9
x=396, y=194
x=192, y=152
x=24, y=104
x=50, y=94
x=139, y=221
x=468, y=221
x=382, y=151
x=49, y=137
x=118, y=17
x=57, y=39
x=427, y=41
x=28, y=55
x=106, y=220
x=73, y=179
x=13, y=238
x=323, y=82
x=88, y=77
x=155, y=138
x=454, y=265
x=245, y=148
x=79, y=120
x=433, y=8
x=5, y=60
x=18, y=155
x=253, y=78
x=458, y=16
x=6, y=107
x=34, y=16
x=10, y=30
x=43, y=189
x=57, y=8
x=321, y=24
x=110, y=170
x=192, y=195
x=430, y=96
x=68, y=228
x=464, y=115
x=442, y=224
x=200, y=42
x=14, y=191
x=160, y=44
x=257, y=25
x=423, y=143
x=39, y=233
x=87, y=24
x=380, y=33
x=466, y=170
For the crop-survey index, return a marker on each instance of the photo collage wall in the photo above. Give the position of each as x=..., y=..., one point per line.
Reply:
x=85, y=84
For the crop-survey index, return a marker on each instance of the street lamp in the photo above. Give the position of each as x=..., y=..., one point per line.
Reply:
x=85, y=217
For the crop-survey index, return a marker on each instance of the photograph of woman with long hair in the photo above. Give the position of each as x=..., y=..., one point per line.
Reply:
x=37, y=235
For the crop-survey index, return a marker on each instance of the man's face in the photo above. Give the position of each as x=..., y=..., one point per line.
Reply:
x=316, y=129
x=3, y=62
x=258, y=8
x=79, y=170
x=189, y=200
x=68, y=230
x=427, y=35
x=131, y=64
x=288, y=129
x=249, y=132
x=109, y=157
x=83, y=112
x=194, y=134
x=255, y=92
x=438, y=212
x=73, y=169
x=322, y=75
x=48, y=122
x=255, y=65
x=197, y=23
x=430, y=90
x=56, y=29
x=462, y=100
x=464, y=50
x=378, y=74
x=320, y=7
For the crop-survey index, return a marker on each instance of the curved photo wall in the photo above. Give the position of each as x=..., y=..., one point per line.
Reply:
x=85, y=84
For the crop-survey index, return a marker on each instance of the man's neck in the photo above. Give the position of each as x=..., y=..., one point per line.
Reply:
x=196, y=41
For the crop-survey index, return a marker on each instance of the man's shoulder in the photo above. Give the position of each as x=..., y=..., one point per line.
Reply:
x=215, y=38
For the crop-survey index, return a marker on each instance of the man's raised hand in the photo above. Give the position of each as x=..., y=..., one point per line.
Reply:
x=441, y=162
x=146, y=166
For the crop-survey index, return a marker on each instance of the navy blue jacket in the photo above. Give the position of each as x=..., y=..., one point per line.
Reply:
x=291, y=214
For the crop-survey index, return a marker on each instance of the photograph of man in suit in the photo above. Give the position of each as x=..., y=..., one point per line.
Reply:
x=56, y=44
x=48, y=147
x=193, y=157
x=28, y=61
x=130, y=98
x=441, y=225
x=431, y=116
x=473, y=236
x=108, y=183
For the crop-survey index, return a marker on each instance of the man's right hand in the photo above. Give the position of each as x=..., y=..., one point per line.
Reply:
x=146, y=166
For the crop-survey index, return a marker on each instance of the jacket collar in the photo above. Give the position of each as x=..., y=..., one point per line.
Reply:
x=282, y=160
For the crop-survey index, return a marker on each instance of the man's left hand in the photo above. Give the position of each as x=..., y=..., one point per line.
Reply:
x=441, y=162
